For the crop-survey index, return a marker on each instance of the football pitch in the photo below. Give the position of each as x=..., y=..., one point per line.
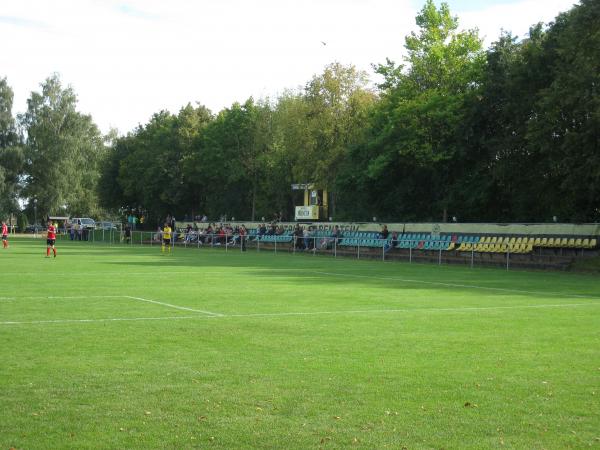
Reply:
x=124, y=347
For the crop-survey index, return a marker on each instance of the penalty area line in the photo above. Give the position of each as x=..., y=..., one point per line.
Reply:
x=169, y=305
x=297, y=314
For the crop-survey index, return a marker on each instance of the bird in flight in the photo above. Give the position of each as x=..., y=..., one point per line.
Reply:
x=323, y=42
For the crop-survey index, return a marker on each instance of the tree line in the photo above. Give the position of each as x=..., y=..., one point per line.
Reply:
x=504, y=134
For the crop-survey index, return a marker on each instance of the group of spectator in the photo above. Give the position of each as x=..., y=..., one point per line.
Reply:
x=213, y=234
x=77, y=231
x=304, y=237
x=272, y=230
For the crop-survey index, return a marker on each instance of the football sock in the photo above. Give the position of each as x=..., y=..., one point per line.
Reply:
x=48, y=251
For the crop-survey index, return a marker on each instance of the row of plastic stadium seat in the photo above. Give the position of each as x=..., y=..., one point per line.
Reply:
x=499, y=247
x=427, y=241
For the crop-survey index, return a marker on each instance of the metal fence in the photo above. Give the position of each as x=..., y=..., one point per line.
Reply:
x=378, y=249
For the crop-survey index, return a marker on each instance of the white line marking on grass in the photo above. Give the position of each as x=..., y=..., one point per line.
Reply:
x=174, y=306
x=365, y=311
x=116, y=319
x=55, y=297
x=113, y=296
x=307, y=313
x=470, y=286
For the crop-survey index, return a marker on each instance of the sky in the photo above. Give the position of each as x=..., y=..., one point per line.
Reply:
x=128, y=59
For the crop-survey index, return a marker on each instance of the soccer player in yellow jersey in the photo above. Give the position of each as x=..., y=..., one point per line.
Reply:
x=166, y=235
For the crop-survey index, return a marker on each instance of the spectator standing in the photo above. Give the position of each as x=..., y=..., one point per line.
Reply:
x=243, y=232
x=4, y=235
x=127, y=234
x=306, y=234
x=384, y=232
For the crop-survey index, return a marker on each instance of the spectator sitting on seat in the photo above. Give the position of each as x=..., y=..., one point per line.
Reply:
x=390, y=245
x=262, y=229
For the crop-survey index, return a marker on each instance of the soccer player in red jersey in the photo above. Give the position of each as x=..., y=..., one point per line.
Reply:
x=51, y=239
x=4, y=235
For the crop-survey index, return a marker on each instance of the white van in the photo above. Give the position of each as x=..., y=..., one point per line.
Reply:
x=83, y=223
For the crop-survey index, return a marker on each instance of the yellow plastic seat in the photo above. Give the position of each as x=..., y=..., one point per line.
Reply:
x=544, y=242
x=564, y=242
x=578, y=243
x=593, y=243
x=537, y=242
x=571, y=242
x=550, y=242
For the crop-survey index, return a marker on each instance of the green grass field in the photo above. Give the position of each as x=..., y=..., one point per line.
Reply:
x=122, y=347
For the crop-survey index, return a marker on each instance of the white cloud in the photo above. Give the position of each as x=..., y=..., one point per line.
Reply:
x=129, y=59
x=514, y=17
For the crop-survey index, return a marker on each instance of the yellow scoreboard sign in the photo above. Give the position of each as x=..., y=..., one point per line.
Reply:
x=307, y=212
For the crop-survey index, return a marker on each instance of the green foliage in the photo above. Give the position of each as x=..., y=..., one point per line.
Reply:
x=507, y=134
x=63, y=152
x=11, y=153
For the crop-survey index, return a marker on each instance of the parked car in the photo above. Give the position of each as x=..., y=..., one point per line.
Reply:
x=35, y=228
x=106, y=226
x=83, y=223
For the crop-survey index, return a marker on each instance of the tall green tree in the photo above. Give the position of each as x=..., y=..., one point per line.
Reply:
x=338, y=102
x=63, y=152
x=564, y=134
x=417, y=140
x=11, y=154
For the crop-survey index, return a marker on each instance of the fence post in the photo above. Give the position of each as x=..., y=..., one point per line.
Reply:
x=410, y=252
x=440, y=256
x=472, y=256
x=507, y=256
x=383, y=251
x=335, y=247
x=275, y=245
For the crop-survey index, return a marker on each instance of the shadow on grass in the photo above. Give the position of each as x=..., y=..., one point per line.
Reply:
x=311, y=270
